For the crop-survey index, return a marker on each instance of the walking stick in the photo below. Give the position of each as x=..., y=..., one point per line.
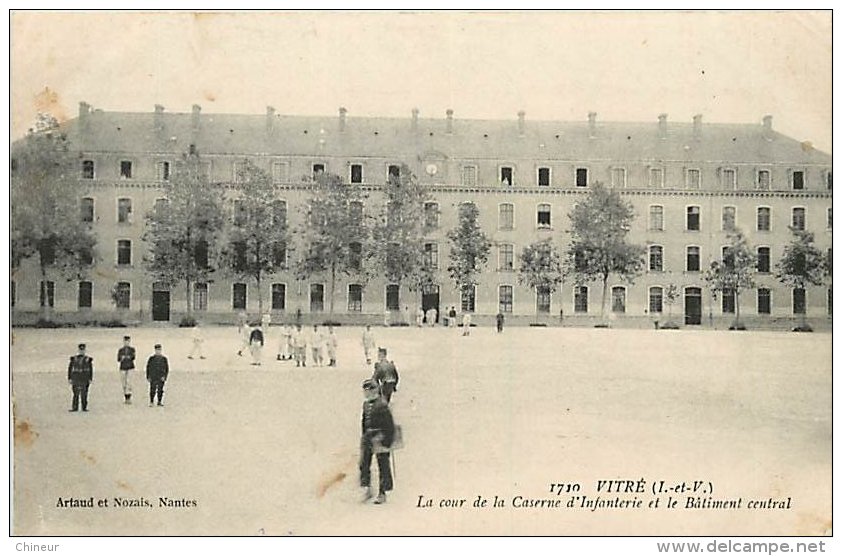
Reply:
x=394, y=465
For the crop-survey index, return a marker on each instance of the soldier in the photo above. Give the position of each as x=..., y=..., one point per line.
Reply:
x=500, y=320
x=256, y=344
x=285, y=347
x=466, y=323
x=419, y=317
x=299, y=342
x=80, y=374
x=332, y=343
x=386, y=375
x=378, y=429
x=198, y=340
x=157, y=371
x=368, y=343
x=126, y=356
x=245, y=336
x=317, y=342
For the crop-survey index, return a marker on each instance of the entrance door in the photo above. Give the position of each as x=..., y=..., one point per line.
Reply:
x=430, y=300
x=160, y=305
x=692, y=306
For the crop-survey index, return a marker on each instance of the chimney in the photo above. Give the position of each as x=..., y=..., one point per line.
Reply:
x=592, y=124
x=767, y=123
x=270, y=120
x=662, y=126
x=521, y=123
x=195, y=123
x=415, y=112
x=84, y=110
x=697, y=126
x=449, y=121
x=342, y=113
x=158, y=122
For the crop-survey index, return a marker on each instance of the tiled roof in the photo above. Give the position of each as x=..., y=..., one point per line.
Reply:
x=470, y=139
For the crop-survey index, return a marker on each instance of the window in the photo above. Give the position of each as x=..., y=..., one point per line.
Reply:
x=123, y=295
x=799, y=301
x=86, y=209
x=279, y=255
x=356, y=173
x=505, y=297
x=239, y=293
x=393, y=174
x=163, y=168
x=764, y=301
x=431, y=215
x=238, y=171
x=126, y=169
x=469, y=298
x=355, y=211
x=764, y=219
x=544, y=177
x=469, y=176
x=205, y=168
x=355, y=298
x=161, y=205
x=279, y=297
x=729, y=218
x=88, y=170
x=729, y=301
x=279, y=213
x=506, y=257
x=542, y=300
x=656, y=258
x=829, y=179
x=393, y=297
x=280, y=172
x=239, y=255
x=544, y=212
x=200, y=254
x=86, y=290
x=200, y=296
x=240, y=214
x=124, y=211
x=317, y=298
x=581, y=177
x=618, y=177
x=693, y=218
x=799, y=218
x=727, y=258
x=48, y=294
x=12, y=292
x=764, y=180
x=764, y=259
x=729, y=179
x=830, y=301
x=355, y=256
x=656, y=300
x=506, y=218
x=124, y=252
x=693, y=178
x=798, y=179
x=618, y=299
x=48, y=254
x=506, y=175
x=656, y=177
x=318, y=170
x=431, y=255
x=830, y=218
x=580, y=299
x=656, y=218
x=693, y=259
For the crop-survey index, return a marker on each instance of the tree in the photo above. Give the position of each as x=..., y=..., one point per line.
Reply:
x=334, y=236
x=469, y=248
x=183, y=231
x=540, y=266
x=45, y=210
x=734, y=273
x=801, y=264
x=598, y=246
x=671, y=295
x=398, y=246
x=256, y=242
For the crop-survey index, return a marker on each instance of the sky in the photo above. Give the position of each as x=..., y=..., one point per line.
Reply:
x=731, y=67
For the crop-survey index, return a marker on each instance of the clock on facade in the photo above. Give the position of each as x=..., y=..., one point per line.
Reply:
x=432, y=169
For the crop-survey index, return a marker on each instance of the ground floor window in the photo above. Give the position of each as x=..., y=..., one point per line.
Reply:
x=48, y=294
x=764, y=301
x=469, y=298
x=86, y=290
x=200, y=296
x=580, y=299
x=239, y=296
x=830, y=301
x=505, y=295
x=355, y=298
x=618, y=299
x=799, y=301
x=656, y=300
x=393, y=297
x=279, y=297
x=729, y=301
x=317, y=298
x=542, y=299
x=123, y=295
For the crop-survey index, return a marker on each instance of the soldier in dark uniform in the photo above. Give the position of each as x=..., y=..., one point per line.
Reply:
x=126, y=357
x=378, y=430
x=386, y=375
x=80, y=374
x=157, y=370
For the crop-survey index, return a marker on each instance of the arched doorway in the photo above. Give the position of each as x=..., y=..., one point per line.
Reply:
x=692, y=305
x=160, y=302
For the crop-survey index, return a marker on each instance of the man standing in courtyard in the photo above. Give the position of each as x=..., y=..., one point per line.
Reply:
x=125, y=357
x=157, y=371
x=500, y=320
x=386, y=375
x=378, y=430
x=80, y=374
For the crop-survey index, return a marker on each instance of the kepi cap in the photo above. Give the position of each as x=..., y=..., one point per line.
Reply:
x=82, y=346
x=370, y=384
x=157, y=346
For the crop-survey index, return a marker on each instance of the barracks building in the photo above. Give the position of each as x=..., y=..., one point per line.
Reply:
x=689, y=183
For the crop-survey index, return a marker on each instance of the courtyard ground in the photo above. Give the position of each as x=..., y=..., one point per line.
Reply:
x=273, y=449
